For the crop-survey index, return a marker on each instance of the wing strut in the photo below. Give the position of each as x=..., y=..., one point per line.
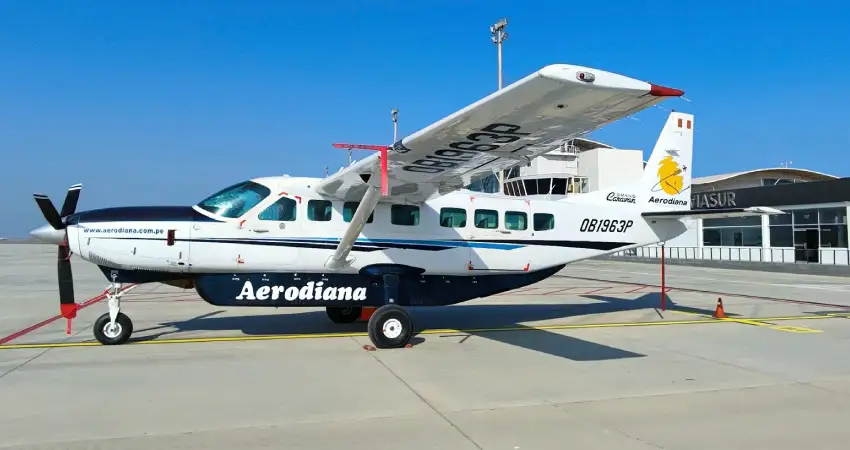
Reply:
x=340, y=258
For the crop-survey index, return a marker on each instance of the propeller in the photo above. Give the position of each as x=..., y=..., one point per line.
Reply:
x=67, y=303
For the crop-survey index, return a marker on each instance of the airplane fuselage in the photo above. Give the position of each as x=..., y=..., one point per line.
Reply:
x=450, y=249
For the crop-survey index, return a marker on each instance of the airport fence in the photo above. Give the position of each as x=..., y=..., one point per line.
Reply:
x=829, y=256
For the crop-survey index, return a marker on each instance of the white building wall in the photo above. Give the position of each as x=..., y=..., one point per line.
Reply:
x=555, y=163
x=606, y=167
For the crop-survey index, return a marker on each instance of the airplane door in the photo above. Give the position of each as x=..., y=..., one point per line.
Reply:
x=268, y=239
x=178, y=242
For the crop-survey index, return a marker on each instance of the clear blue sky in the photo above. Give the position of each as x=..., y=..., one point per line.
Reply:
x=163, y=102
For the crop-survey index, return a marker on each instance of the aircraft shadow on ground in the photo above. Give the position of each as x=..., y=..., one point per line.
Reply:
x=477, y=320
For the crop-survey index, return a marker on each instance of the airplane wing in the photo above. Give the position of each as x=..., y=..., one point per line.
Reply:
x=713, y=213
x=508, y=127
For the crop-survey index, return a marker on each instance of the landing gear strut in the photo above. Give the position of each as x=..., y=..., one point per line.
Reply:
x=390, y=326
x=113, y=327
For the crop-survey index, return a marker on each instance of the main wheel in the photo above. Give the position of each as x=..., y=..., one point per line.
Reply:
x=343, y=314
x=108, y=335
x=390, y=327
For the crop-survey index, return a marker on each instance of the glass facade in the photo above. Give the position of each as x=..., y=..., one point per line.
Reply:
x=810, y=228
x=732, y=232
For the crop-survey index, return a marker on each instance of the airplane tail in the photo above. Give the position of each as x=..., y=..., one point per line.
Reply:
x=666, y=181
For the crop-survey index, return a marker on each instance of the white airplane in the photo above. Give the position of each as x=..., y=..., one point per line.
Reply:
x=397, y=229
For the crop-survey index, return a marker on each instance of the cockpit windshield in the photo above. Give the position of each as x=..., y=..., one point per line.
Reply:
x=233, y=201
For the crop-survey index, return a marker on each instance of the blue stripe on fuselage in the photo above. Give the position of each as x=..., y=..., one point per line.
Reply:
x=459, y=243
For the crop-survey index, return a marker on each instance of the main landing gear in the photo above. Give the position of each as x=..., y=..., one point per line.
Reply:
x=113, y=327
x=390, y=326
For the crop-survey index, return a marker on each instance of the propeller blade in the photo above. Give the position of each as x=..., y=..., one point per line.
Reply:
x=71, y=198
x=66, y=283
x=49, y=211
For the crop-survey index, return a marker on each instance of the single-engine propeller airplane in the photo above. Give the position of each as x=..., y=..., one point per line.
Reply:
x=397, y=228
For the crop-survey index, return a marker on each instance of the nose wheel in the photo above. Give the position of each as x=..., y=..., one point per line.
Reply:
x=390, y=327
x=113, y=327
x=108, y=333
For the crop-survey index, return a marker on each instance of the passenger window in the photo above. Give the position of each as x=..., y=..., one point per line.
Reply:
x=516, y=220
x=319, y=210
x=544, y=222
x=404, y=215
x=486, y=218
x=452, y=217
x=348, y=210
x=283, y=210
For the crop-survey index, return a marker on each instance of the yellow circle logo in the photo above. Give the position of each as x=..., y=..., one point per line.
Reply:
x=670, y=176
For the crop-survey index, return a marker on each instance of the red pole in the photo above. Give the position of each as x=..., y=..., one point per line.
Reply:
x=663, y=287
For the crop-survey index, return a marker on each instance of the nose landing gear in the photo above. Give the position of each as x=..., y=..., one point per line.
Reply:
x=113, y=327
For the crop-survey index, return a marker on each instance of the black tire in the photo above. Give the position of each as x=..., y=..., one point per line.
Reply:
x=343, y=314
x=390, y=327
x=125, y=329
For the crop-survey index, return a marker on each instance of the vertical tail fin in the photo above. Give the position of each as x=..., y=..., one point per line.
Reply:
x=666, y=181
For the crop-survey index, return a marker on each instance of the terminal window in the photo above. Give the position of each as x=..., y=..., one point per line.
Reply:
x=732, y=232
x=792, y=229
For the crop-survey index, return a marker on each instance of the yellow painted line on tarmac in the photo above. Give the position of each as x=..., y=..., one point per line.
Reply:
x=760, y=322
x=745, y=321
x=570, y=327
x=793, y=329
x=687, y=313
x=756, y=321
x=360, y=334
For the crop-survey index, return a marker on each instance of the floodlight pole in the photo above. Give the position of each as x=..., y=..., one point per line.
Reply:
x=395, y=124
x=498, y=35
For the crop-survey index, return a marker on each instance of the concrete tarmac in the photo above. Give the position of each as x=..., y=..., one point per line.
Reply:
x=585, y=359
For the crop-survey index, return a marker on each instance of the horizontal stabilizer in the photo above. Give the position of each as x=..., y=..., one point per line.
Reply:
x=713, y=213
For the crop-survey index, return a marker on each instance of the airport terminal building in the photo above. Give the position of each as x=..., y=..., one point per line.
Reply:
x=813, y=231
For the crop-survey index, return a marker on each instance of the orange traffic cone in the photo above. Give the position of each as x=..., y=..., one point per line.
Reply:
x=718, y=311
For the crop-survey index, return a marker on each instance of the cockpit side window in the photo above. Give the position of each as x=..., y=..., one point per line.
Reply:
x=283, y=210
x=236, y=200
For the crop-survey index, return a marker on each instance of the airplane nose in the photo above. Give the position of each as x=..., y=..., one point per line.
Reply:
x=47, y=233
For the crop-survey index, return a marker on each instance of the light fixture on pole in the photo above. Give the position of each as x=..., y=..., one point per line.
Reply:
x=395, y=124
x=499, y=35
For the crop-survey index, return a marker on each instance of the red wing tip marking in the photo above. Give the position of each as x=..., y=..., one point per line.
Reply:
x=661, y=91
